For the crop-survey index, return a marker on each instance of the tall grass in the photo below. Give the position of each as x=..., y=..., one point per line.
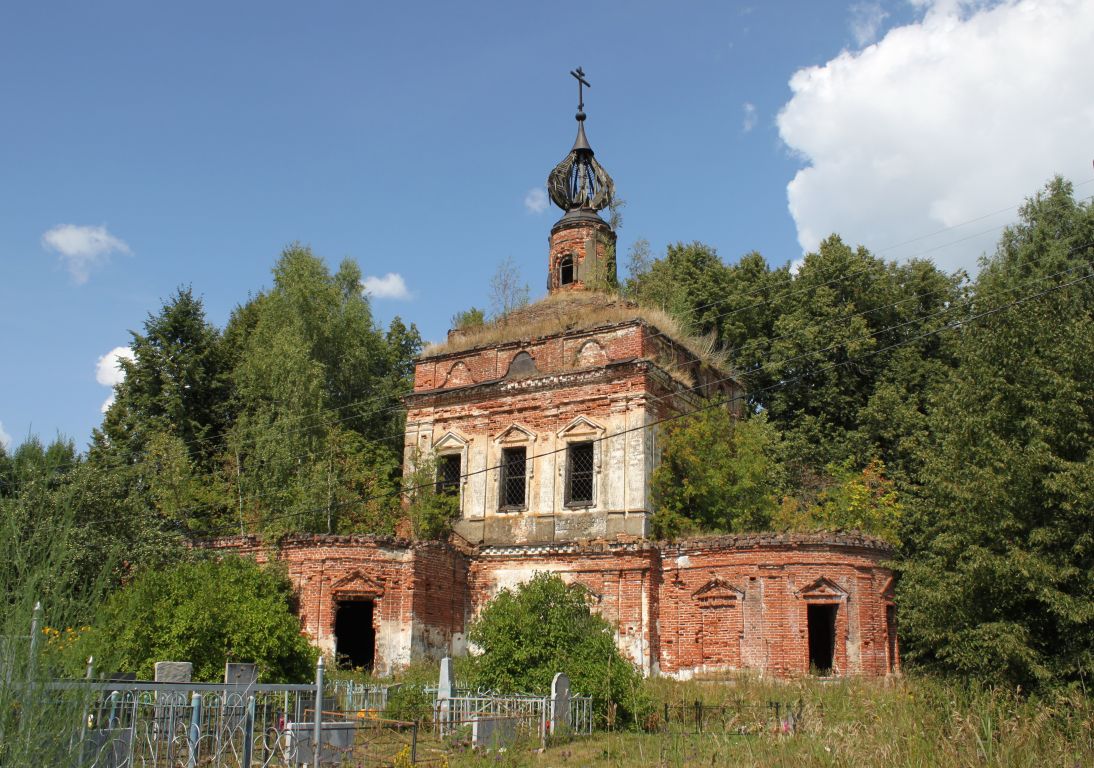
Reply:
x=915, y=721
x=38, y=726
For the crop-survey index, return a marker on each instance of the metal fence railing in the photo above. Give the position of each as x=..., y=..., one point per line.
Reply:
x=126, y=724
x=531, y=714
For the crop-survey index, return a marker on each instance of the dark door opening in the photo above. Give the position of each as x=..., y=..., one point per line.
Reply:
x=354, y=635
x=890, y=627
x=822, y=637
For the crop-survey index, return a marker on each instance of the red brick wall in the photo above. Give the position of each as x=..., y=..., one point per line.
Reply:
x=766, y=628
x=552, y=354
x=571, y=240
x=416, y=588
x=700, y=606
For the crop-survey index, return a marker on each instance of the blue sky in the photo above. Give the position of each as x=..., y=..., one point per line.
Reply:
x=146, y=146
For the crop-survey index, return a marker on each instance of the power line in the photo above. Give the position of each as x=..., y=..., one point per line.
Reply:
x=804, y=355
x=729, y=313
x=712, y=404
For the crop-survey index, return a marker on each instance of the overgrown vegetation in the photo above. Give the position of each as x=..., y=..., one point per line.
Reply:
x=951, y=417
x=917, y=721
x=207, y=612
x=37, y=569
x=431, y=508
x=542, y=627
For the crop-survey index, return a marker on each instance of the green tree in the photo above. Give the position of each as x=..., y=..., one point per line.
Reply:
x=543, y=627
x=865, y=501
x=468, y=318
x=431, y=510
x=177, y=384
x=690, y=283
x=207, y=612
x=1001, y=582
x=717, y=474
x=849, y=341
x=317, y=388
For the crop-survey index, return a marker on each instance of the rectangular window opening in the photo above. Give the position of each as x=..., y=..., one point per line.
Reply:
x=448, y=474
x=579, y=474
x=566, y=270
x=821, y=620
x=514, y=465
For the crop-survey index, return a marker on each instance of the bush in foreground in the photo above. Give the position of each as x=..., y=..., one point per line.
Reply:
x=542, y=627
x=208, y=612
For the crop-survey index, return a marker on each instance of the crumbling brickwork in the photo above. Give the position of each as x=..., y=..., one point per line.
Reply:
x=605, y=385
x=702, y=606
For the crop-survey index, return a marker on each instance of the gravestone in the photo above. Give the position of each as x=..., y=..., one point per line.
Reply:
x=493, y=732
x=120, y=677
x=240, y=676
x=335, y=742
x=238, y=680
x=560, y=704
x=447, y=682
x=174, y=671
x=445, y=685
x=171, y=706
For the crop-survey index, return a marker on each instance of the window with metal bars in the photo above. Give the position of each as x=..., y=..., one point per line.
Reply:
x=448, y=474
x=513, y=478
x=579, y=474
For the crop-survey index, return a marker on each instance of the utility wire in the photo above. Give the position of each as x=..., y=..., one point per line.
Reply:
x=729, y=313
x=803, y=355
x=712, y=404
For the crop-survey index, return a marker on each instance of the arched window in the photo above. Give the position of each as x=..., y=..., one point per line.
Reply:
x=566, y=269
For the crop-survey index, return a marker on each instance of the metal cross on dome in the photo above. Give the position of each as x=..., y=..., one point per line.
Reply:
x=581, y=81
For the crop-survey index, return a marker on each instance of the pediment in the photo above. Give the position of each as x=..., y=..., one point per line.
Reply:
x=515, y=434
x=581, y=427
x=888, y=590
x=357, y=584
x=718, y=593
x=451, y=441
x=823, y=589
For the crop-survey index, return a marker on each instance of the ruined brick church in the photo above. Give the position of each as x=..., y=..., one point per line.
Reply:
x=544, y=426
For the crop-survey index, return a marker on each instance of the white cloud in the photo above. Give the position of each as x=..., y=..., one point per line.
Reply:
x=866, y=21
x=109, y=372
x=390, y=286
x=82, y=248
x=749, y=121
x=964, y=112
x=536, y=200
x=5, y=438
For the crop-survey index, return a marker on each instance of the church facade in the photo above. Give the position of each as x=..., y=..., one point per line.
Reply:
x=544, y=428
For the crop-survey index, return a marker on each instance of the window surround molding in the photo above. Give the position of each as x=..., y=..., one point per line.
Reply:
x=580, y=430
x=514, y=436
x=452, y=443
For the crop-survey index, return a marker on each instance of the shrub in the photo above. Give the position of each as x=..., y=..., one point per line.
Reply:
x=543, y=627
x=207, y=612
